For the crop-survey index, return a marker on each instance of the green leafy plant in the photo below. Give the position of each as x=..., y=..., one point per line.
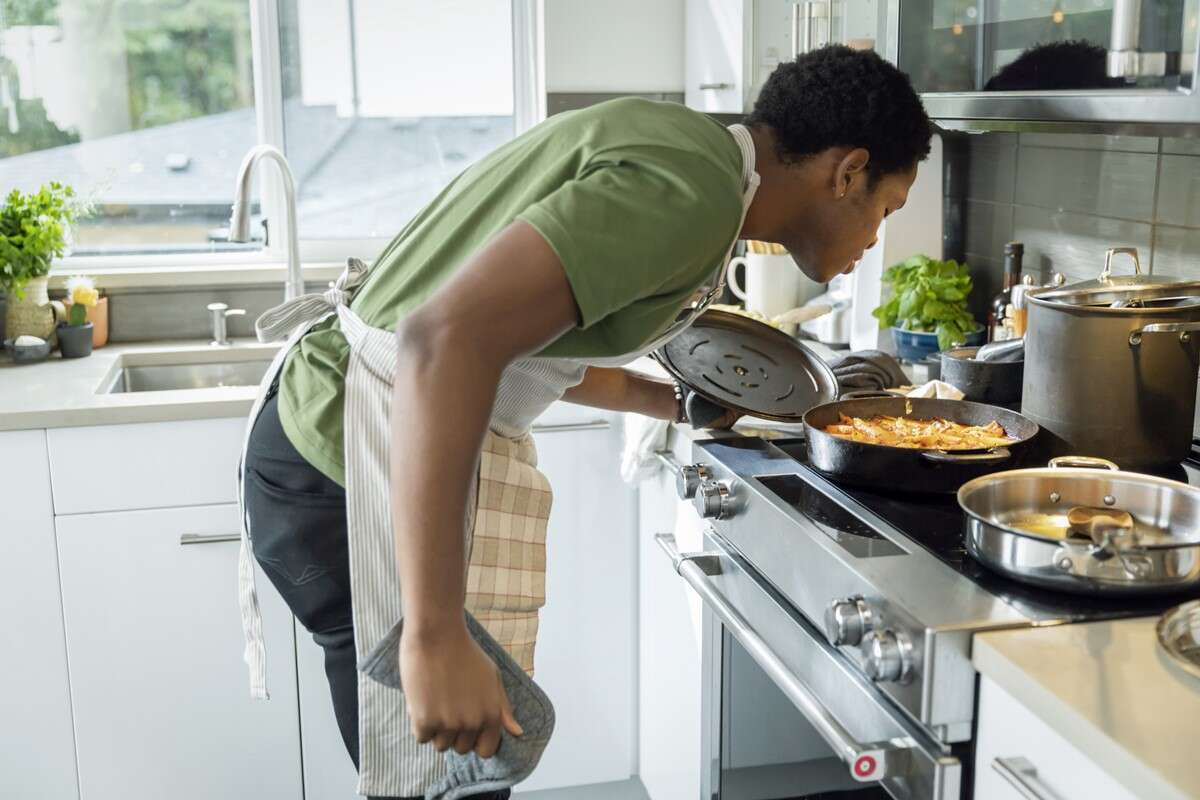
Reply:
x=34, y=230
x=929, y=296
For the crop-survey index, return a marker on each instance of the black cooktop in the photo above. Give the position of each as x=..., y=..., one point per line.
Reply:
x=936, y=523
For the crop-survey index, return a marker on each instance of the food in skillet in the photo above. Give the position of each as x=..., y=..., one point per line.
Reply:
x=922, y=434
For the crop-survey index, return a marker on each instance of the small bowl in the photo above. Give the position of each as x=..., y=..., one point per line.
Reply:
x=916, y=346
x=27, y=353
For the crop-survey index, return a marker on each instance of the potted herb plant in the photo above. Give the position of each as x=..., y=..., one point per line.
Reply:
x=75, y=335
x=35, y=228
x=927, y=310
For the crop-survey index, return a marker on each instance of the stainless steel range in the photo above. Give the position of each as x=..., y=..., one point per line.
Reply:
x=852, y=612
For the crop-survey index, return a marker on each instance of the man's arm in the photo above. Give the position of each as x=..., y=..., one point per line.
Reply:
x=625, y=390
x=512, y=298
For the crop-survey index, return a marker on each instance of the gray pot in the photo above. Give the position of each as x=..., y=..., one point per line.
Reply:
x=75, y=341
x=997, y=383
x=1111, y=366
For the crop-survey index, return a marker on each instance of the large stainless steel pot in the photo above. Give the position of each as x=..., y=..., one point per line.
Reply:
x=1020, y=523
x=1111, y=367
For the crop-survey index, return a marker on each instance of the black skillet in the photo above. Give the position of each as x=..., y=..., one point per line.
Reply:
x=907, y=469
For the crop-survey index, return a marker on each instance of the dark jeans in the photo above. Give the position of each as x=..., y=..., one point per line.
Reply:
x=298, y=518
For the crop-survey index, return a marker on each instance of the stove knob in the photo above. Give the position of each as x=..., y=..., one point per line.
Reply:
x=887, y=656
x=688, y=480
x=847, y=621
x=712, y=499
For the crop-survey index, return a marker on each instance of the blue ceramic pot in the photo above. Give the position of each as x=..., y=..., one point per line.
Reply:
x=917, y=346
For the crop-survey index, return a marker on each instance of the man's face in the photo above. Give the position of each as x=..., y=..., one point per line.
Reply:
x=830, y=238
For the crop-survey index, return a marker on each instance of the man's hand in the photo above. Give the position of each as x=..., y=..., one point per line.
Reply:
x=705, y=414
x=454, y=693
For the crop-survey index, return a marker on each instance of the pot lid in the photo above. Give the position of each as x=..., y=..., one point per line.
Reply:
x=750, y=367
x=1178, y=633
x=1124, y=291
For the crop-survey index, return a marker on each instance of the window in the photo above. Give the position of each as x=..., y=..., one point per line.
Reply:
x=144, y=106
x=147, y=107
x=385, y=101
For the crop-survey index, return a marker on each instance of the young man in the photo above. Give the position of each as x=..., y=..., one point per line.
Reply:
x=576, y=247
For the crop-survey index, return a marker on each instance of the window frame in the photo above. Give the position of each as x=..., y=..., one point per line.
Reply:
x=321, y=258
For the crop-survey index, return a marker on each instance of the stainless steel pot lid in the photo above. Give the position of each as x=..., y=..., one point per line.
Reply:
x=742, y=364
x=1128, y=292
x=1035, y=503
x=1179, y=635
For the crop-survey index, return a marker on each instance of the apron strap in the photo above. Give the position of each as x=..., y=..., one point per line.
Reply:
x=280, y=321
x=290, y=320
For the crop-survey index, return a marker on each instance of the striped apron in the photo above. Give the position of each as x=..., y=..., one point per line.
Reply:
x=505, y=532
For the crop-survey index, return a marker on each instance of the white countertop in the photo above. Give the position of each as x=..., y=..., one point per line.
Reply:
x=58, y=392
x=1108, y=689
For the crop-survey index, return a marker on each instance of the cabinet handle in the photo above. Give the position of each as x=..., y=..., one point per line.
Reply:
x=209, y=538
x=599, y=425
x=1022, y=775
x=795, y=30
x=708, y=86
x=667, y=459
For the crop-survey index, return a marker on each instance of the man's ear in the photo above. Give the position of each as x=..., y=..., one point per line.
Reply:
x=851, y=167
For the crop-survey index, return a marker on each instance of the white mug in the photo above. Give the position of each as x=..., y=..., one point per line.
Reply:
x=772, y=284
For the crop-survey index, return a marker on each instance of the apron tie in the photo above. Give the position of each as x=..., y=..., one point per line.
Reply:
x=278, y=322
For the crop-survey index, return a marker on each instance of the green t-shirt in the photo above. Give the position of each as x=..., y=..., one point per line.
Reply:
x=640, y=200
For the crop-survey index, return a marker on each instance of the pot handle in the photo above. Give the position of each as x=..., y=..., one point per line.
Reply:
x=993, y=456
x=1132, y=252
x=1087, y=462
x=1086, y=560
x=1182, y=328
x=862, y=394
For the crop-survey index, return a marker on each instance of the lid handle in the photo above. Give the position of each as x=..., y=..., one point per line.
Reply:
x=1132, y=252
x=1087, y=462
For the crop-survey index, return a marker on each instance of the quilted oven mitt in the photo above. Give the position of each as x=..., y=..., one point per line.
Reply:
x=468, y=775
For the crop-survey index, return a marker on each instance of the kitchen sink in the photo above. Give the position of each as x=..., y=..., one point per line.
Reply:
x=198, y=369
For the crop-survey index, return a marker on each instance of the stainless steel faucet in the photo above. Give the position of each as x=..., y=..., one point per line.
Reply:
x=239, y=220
x=221, y=312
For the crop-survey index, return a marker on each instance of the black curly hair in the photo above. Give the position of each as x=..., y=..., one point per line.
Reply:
x=839, y=97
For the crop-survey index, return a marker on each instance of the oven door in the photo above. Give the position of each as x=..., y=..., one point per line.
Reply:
x=784, y=715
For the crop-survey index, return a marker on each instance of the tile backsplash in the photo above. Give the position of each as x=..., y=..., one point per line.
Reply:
x=1069, y=197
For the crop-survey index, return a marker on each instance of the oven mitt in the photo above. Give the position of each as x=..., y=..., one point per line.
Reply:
x=469, y=775
x=868, y=369
x=702, y=412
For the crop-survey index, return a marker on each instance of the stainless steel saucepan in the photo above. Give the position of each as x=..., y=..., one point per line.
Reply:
x=1080, y=529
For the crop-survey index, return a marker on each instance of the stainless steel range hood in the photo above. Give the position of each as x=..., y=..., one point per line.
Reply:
x=1106, y=66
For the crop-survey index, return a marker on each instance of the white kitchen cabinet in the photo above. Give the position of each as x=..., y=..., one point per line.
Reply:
x=585, y=656
x=669, y=663
x=715, y=47
x=328, y=771
x=732, y=46
x=154, y=641
x=1048, y=764
x=37, y=749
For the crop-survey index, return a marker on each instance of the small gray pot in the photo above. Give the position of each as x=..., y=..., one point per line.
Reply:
x=75, y=341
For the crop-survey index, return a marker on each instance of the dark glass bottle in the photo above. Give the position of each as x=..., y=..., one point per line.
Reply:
x=1013, y=253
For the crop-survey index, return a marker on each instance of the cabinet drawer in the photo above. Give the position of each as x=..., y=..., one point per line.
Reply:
x=1019, y=756
x=145, y=465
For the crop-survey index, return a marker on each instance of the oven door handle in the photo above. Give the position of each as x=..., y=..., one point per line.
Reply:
x=869, y=762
